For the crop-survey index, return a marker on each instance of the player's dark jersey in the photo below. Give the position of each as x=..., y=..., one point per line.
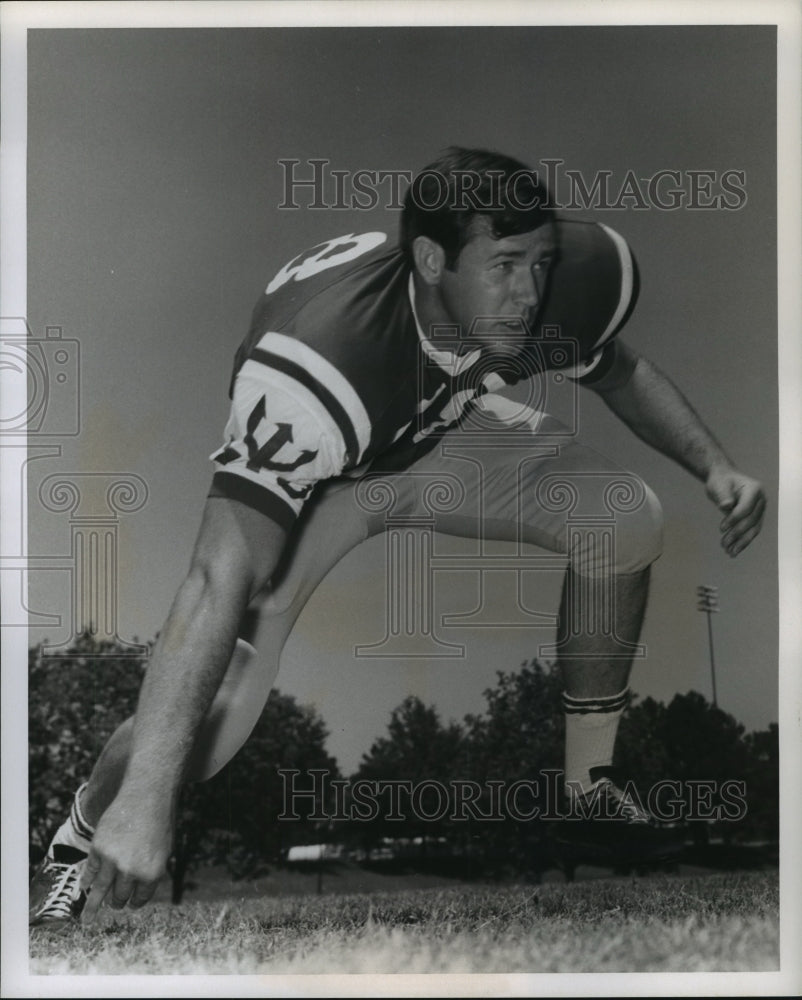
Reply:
x=336, y=372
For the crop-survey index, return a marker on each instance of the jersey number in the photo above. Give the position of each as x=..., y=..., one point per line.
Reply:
x=340, y=250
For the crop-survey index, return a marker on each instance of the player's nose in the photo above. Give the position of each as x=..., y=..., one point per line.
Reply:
x=526, y=292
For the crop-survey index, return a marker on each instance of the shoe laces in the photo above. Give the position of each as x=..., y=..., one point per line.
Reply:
x=64, y=891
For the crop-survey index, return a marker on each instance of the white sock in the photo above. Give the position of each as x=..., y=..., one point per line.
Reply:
x=591, y=725
x=74, y=831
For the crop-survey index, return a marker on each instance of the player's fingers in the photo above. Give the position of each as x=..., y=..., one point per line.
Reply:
x=737, y=539
x=91, y=867
x=736, y=542
x=121, y=891
x=100, y=886
x=749, y=502
x=741, y=504
x=733, y=527
x=143, y=891
x=748, y=519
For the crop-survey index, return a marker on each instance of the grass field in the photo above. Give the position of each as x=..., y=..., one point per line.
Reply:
x=665, y=923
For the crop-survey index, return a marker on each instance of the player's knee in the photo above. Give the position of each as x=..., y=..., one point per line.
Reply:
x=638, y=536
x=633, y=544
x=642, y=541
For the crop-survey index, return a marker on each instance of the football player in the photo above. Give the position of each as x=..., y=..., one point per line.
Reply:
x=364, y=360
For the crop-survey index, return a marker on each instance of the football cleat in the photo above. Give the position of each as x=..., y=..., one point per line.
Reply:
x=55, y=894
x=608, y=824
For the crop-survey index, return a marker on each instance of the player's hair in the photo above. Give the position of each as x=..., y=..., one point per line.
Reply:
x=446, y=197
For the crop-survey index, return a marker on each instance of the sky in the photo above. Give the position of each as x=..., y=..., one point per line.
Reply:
x=154, y=186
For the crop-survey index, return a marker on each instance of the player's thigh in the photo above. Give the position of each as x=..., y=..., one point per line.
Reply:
x=546, y=489
x=332, y=523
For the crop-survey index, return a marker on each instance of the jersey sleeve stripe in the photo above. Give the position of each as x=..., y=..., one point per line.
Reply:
x=295, y=403
x=347, y=407
x=234, y=487
x=596, y=368
x=627, y=283
x=328, y=399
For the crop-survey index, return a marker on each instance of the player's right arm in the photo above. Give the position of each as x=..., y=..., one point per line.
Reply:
x=295, y=421
x=281, y=439
x=236, y=552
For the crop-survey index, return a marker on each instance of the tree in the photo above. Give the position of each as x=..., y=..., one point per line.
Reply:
x=234, y=817
x=520, y=738
x=763, y=783
x=76, y=699
x=413, y=766
x=418, y=745
x=703, y=748
x=522, y=731
x=703, y=742
x=641, y=750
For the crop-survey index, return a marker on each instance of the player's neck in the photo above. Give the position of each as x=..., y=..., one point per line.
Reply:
x=429, y=307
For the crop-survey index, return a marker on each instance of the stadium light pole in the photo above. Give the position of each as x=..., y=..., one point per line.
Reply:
x=708, y=602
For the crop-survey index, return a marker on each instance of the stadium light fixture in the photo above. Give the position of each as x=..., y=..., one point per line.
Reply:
x=708, y=602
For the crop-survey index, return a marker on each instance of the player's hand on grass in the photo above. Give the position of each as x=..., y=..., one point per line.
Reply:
x=743, y=502
x=128, y=857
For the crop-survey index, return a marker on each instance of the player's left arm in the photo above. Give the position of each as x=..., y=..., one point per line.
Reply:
x=652, y=406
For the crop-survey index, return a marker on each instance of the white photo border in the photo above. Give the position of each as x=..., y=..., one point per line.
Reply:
x=16, y=19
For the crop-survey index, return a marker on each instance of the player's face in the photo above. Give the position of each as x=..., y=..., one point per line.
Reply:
x=497, y=287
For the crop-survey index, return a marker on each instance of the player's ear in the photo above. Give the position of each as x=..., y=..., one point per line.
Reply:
x=430, y=259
